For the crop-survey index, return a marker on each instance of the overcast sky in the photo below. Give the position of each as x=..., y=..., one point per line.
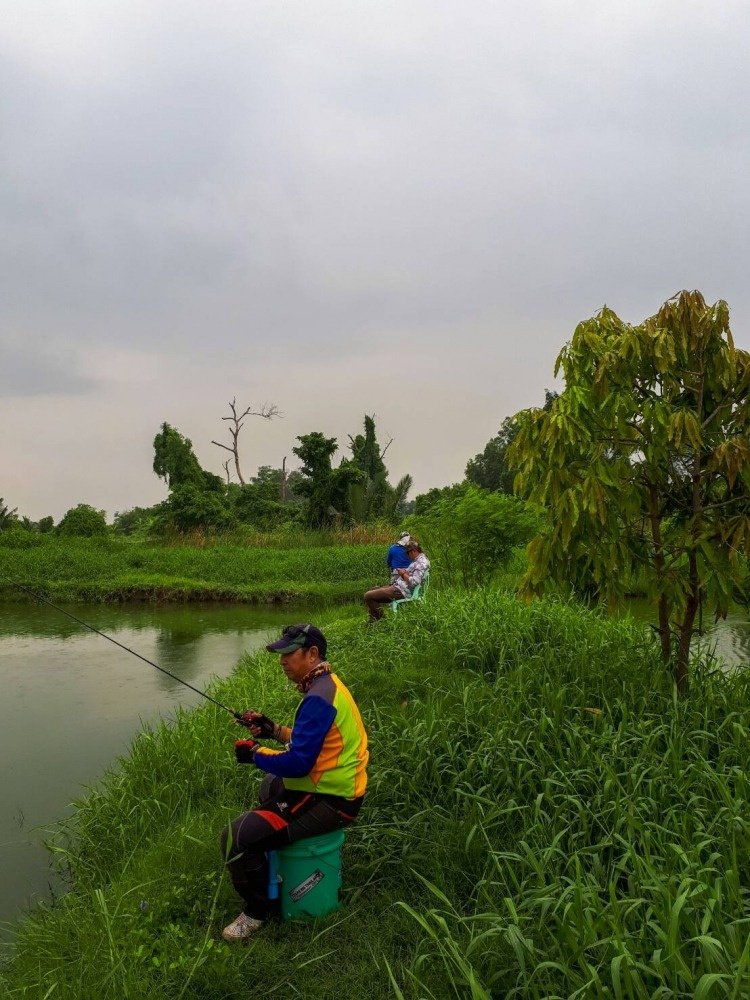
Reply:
x=400, y=208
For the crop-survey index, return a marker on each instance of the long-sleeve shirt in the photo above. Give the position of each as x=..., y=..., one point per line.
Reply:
x=415, y=571
x=327, y=751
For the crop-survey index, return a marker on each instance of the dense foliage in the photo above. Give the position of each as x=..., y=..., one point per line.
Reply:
x=83, y=521
x=544, y=820
x=644, y=465
x=188, y=507
x=472, y=534
x=269, y=500
x=324, y=486
x=318, y=494
x=175, y=462
x=134, y=521
x=424, y=502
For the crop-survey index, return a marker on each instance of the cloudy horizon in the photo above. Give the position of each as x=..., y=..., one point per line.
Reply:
x=383, y=208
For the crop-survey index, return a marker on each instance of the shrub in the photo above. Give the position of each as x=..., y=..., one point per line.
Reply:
x=133, y=522
x=257, y=505
x=18, y=537
x=83, y=521
x=472, y=534
x=189, y=507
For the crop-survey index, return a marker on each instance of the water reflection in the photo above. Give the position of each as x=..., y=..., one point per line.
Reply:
x=726, y=641
x=741, y=644
x=43, y=620
x=71, y=702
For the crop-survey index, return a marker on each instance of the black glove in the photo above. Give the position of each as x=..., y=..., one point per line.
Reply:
x=244, y=751
x=259, y=725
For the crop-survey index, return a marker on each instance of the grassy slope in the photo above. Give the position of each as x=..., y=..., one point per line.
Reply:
x=540, y=848
x=115, y=569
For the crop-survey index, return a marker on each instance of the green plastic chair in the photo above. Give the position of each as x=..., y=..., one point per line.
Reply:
x=418, y=594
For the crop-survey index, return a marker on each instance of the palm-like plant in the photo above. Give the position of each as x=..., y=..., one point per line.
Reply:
x=7, y=516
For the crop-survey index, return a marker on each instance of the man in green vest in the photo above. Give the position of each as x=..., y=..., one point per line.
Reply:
x=314, y=785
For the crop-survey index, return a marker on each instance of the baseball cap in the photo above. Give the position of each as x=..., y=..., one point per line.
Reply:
x=299, y=637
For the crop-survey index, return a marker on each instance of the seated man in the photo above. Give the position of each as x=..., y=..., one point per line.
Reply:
x=315, y=785
x=406, y=582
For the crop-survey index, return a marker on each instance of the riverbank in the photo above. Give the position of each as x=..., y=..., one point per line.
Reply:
x=89, y=699
x=543, y=818
x=112, y=570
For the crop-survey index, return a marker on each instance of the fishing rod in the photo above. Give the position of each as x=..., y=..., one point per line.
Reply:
x=127, y=649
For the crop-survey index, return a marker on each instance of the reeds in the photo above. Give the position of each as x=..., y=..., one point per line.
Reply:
x=544, y=819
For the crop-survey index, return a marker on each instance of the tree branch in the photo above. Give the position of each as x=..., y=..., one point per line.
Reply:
x=710, y=417
x=723, y=503
x=267, y=411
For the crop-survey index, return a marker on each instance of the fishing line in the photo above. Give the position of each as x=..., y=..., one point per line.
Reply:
x=127, y=649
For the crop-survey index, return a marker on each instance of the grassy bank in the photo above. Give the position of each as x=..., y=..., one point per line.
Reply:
x=543, y=820
x=120, y=570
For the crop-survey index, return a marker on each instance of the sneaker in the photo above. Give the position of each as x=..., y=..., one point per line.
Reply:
x=241, y=928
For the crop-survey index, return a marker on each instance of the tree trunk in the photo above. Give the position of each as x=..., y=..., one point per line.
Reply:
x=665, y=636
x=282, y=482
x=267, y=411
x=681, y=674
x=237, y=458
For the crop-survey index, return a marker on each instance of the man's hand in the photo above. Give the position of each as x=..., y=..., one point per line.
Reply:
x=258, y=724
x=244, y=751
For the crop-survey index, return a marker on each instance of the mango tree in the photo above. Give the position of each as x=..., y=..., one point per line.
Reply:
x=643, y=465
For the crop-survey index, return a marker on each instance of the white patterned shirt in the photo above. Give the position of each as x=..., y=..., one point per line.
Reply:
x=416, y=571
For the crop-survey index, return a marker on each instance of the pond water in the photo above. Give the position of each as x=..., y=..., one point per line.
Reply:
x=71, y=702
x=726, y=641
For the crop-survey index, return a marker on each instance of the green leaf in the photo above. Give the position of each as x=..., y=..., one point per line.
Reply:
x=706, y=983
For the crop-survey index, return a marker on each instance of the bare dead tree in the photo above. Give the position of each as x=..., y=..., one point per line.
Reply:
x=282, y=484
x=268, y=411
x=225, y=467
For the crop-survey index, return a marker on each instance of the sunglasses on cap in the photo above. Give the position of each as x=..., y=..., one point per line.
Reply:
x=298, y=637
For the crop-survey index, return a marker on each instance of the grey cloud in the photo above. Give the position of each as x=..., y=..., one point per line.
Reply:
x=27, y=374
x=332, y=180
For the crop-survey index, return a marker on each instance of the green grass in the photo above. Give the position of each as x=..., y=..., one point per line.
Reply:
x=544, y=819
x=120, y=570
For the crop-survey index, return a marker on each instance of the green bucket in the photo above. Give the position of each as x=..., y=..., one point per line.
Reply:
x=310, y=875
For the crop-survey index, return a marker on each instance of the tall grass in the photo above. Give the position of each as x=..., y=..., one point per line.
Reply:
x=113, y=569
x=544, y=819
x=290, y=536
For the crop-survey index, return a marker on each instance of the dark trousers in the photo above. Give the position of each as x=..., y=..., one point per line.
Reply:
x=378, y=596
x=281, y=818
